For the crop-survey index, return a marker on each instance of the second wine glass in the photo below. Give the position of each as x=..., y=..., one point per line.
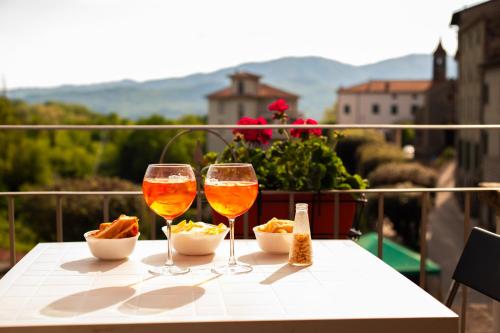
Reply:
x=231, y=189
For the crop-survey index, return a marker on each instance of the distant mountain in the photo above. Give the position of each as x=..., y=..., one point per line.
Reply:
x=315, y=79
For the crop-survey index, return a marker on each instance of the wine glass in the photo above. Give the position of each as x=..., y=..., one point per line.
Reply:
x=231, y=190
x=169, y=190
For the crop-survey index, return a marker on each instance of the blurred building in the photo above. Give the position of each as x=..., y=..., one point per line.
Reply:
x=438, y=108
x=478, y=92
x=478, y=96
x=245, y=97
x=381, y=101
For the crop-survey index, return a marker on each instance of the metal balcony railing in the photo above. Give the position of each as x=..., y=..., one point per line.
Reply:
x=108, y=195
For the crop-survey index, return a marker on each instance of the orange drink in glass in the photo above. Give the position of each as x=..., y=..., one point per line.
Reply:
x=231, y=189
x=169, y=198
x=231, y=198
x=169, y=190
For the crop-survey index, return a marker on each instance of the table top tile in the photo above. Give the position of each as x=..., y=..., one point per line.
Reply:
x=61, y=284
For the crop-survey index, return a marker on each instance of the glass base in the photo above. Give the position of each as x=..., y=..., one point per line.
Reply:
x=231, y=269
x=169, y=270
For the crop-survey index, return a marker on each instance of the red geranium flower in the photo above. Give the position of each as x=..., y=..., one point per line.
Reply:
x=278, y=105
x=299, y=132
x=261, y=136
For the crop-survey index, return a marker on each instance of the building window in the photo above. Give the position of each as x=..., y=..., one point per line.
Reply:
x=414, y=96
x=375, y=109
x=460, y=153
x=221, y=107
x=484, y=142
x=467, y=156
x=414, y=109
x=477, y=156
x=394, y=96
x=241, y=110
x=347, y=109
x=241, y=88
x=394, y=110
x=486, y=94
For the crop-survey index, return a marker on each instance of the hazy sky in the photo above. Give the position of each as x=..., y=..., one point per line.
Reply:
x=52, y=42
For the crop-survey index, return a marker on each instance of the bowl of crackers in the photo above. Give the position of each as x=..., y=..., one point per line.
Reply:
x=275, y=236
x=114, y=240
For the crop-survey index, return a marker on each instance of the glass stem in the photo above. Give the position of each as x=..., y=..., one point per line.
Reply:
x=232, y=259
x=170, y=261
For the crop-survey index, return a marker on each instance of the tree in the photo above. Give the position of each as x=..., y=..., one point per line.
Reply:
x=330, y=114
x=145, y=147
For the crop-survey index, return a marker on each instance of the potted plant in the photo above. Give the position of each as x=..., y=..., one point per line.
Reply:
x=301, y=161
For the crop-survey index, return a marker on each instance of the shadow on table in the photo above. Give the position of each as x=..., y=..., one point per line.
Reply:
x=88, y=265
x=263, y=258
x=179, y=259
x=161, y=300
x=281, y=273
x=87, y=301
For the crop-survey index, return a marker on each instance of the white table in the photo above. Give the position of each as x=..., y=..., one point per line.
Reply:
x=59, y=287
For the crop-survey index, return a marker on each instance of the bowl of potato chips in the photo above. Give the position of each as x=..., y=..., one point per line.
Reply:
x=274, y=236
x=197, y=238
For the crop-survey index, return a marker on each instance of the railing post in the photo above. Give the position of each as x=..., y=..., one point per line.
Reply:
x=380, y=226
x=153, y=225
x=398, y=140
x=199, y=209
x=12, y=230
x=336, y=217
x=245, y=225
x=463, y=310
x=423, y=238
x=496, y=305
x=59, y=219
x=105, y=208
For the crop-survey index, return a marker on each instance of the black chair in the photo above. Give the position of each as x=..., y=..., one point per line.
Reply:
x=479, y=265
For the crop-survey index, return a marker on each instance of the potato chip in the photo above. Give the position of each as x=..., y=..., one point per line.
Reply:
x=199, y=227
x=276, y=226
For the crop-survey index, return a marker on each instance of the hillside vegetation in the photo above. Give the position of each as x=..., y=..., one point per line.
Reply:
x=77, y=160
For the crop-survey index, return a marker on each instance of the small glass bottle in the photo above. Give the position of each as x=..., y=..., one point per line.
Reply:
x=301, y=248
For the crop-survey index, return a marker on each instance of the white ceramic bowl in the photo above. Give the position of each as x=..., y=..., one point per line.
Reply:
x=110, y=249
x=273, y=242
x=196, y=244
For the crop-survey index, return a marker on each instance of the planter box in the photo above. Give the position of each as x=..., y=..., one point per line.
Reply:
x=321, y=212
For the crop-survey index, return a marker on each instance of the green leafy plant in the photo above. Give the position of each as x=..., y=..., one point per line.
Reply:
x=302, y=161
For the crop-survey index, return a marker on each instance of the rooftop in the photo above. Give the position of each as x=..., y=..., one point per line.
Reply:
x=263, y=90
x=388, y=86
x=244, y=75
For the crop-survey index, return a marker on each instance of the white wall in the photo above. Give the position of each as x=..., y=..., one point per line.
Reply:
x=361, y=107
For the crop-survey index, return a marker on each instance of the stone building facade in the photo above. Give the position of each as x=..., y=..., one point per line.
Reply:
x=478, y=96
x=478, y=92
x=438, y=108
x=246, y=96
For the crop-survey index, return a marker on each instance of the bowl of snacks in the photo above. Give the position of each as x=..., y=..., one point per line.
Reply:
x=114, y=240
x=197, y=238
x=274, y=236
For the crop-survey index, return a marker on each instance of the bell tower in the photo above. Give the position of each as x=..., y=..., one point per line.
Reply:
x=439, y=64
